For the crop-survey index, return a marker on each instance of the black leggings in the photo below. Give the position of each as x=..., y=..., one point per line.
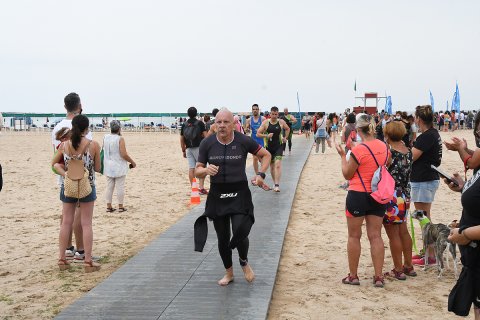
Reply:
x=222, y=227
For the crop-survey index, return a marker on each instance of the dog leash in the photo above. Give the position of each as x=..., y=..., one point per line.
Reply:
x=414, y=242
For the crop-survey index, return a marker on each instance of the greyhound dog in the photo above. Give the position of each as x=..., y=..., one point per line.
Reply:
x=436, y=235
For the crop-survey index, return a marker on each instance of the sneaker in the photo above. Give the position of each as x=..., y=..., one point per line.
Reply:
x=420, y=255
x=203, y=191
x=80, y=257
x=70, y=253
x=421, y=261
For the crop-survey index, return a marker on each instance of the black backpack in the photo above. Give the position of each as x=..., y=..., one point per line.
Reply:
x=191, y=131
x=1, y=178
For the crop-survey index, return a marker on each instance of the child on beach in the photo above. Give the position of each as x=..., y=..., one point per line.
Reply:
x=62, y=135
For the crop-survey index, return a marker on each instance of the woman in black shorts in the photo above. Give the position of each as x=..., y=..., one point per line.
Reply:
x=360, y=206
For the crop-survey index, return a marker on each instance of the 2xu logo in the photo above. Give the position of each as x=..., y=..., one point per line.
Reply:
x=228, y=195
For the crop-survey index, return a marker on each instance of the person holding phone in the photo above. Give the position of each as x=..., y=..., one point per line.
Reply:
x=467, y=236
x=424, y=181
x=116, y=159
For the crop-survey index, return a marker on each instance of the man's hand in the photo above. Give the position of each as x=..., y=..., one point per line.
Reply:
x=212, y=170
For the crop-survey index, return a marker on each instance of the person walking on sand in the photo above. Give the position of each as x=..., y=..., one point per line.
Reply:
x=290, y=121
x=271, y=132
x=253, y=124
x=73, y=106
x=116, y=159
x=191, y=134
x=229, y=200
x=321, y=134
x=307, y=124
x=360, y=206
x=78, y=148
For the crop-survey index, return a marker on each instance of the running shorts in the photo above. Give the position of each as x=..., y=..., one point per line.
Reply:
x=360, y=204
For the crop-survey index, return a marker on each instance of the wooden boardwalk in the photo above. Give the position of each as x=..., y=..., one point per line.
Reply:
x=168, y=280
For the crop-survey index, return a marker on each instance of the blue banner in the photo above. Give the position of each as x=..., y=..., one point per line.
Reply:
x=432, y=102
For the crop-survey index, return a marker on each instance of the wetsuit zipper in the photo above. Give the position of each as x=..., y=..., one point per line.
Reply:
x=224, y=163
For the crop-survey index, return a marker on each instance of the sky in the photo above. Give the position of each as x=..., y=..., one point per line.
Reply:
x=165, y=56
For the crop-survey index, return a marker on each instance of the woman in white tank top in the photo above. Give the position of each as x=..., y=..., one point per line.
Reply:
x=115, y=162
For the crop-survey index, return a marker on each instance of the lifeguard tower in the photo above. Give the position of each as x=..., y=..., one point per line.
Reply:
x=368, y=108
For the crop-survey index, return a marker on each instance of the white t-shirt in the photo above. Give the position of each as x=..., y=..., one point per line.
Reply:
x=65, y=123
x=462, y=116
x=321, y=123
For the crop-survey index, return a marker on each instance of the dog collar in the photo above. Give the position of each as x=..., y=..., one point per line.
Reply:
x=424, y=221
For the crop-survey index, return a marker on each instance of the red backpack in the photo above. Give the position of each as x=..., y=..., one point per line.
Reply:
x=383, y=184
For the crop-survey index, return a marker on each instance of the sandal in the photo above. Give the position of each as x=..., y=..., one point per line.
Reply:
x=91, y=266
x=111, y=209
x=378, y=282
x=354, y=281
x=63, y=264
x=122, y=209
x=399, y=275
x=409, y=271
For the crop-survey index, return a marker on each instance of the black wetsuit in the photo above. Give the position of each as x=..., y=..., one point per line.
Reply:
x=229, y=198
x=274, y=144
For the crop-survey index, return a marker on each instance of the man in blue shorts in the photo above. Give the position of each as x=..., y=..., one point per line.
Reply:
x=253, y=124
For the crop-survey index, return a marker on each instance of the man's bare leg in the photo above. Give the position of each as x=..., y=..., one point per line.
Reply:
x=227, y=278
x=248, y=273
x=278, y=174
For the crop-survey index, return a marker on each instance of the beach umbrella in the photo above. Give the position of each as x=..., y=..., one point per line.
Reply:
x=124, y=119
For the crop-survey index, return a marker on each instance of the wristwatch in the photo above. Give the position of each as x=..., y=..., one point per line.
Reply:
x=261, y=174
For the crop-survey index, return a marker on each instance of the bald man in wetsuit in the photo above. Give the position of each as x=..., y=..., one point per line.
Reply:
x=229, y=199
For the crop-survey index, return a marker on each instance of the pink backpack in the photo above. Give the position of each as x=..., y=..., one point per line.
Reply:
x=383, y=184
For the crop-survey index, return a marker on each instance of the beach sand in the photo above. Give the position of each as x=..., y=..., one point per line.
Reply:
x=314, y=256
x=313, y=260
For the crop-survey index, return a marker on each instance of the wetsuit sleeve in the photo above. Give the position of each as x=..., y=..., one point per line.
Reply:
x=203, y=152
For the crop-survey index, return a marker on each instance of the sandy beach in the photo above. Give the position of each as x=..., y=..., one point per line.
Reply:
x=313, y=261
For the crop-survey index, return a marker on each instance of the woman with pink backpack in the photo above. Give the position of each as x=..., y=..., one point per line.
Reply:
x=365, y=160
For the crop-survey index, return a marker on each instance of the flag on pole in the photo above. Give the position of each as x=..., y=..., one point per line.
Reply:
x=298, y=102
x=388, y=105
x=457, y=98
x=355, y=86
x=447, y=106
x=454, y=102
x=432, y=102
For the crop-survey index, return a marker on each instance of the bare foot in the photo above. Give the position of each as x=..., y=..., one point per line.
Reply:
x=227, y=278
x=248, y=273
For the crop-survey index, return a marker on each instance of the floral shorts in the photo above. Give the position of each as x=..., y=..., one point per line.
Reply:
x=396, y=212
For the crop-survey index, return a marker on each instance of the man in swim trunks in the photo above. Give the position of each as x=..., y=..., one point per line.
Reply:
x=229, y=200
x=290, y=121
x=253, y=124
x=271, y=132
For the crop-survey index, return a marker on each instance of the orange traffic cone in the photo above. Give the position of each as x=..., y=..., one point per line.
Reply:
x=195, y=197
